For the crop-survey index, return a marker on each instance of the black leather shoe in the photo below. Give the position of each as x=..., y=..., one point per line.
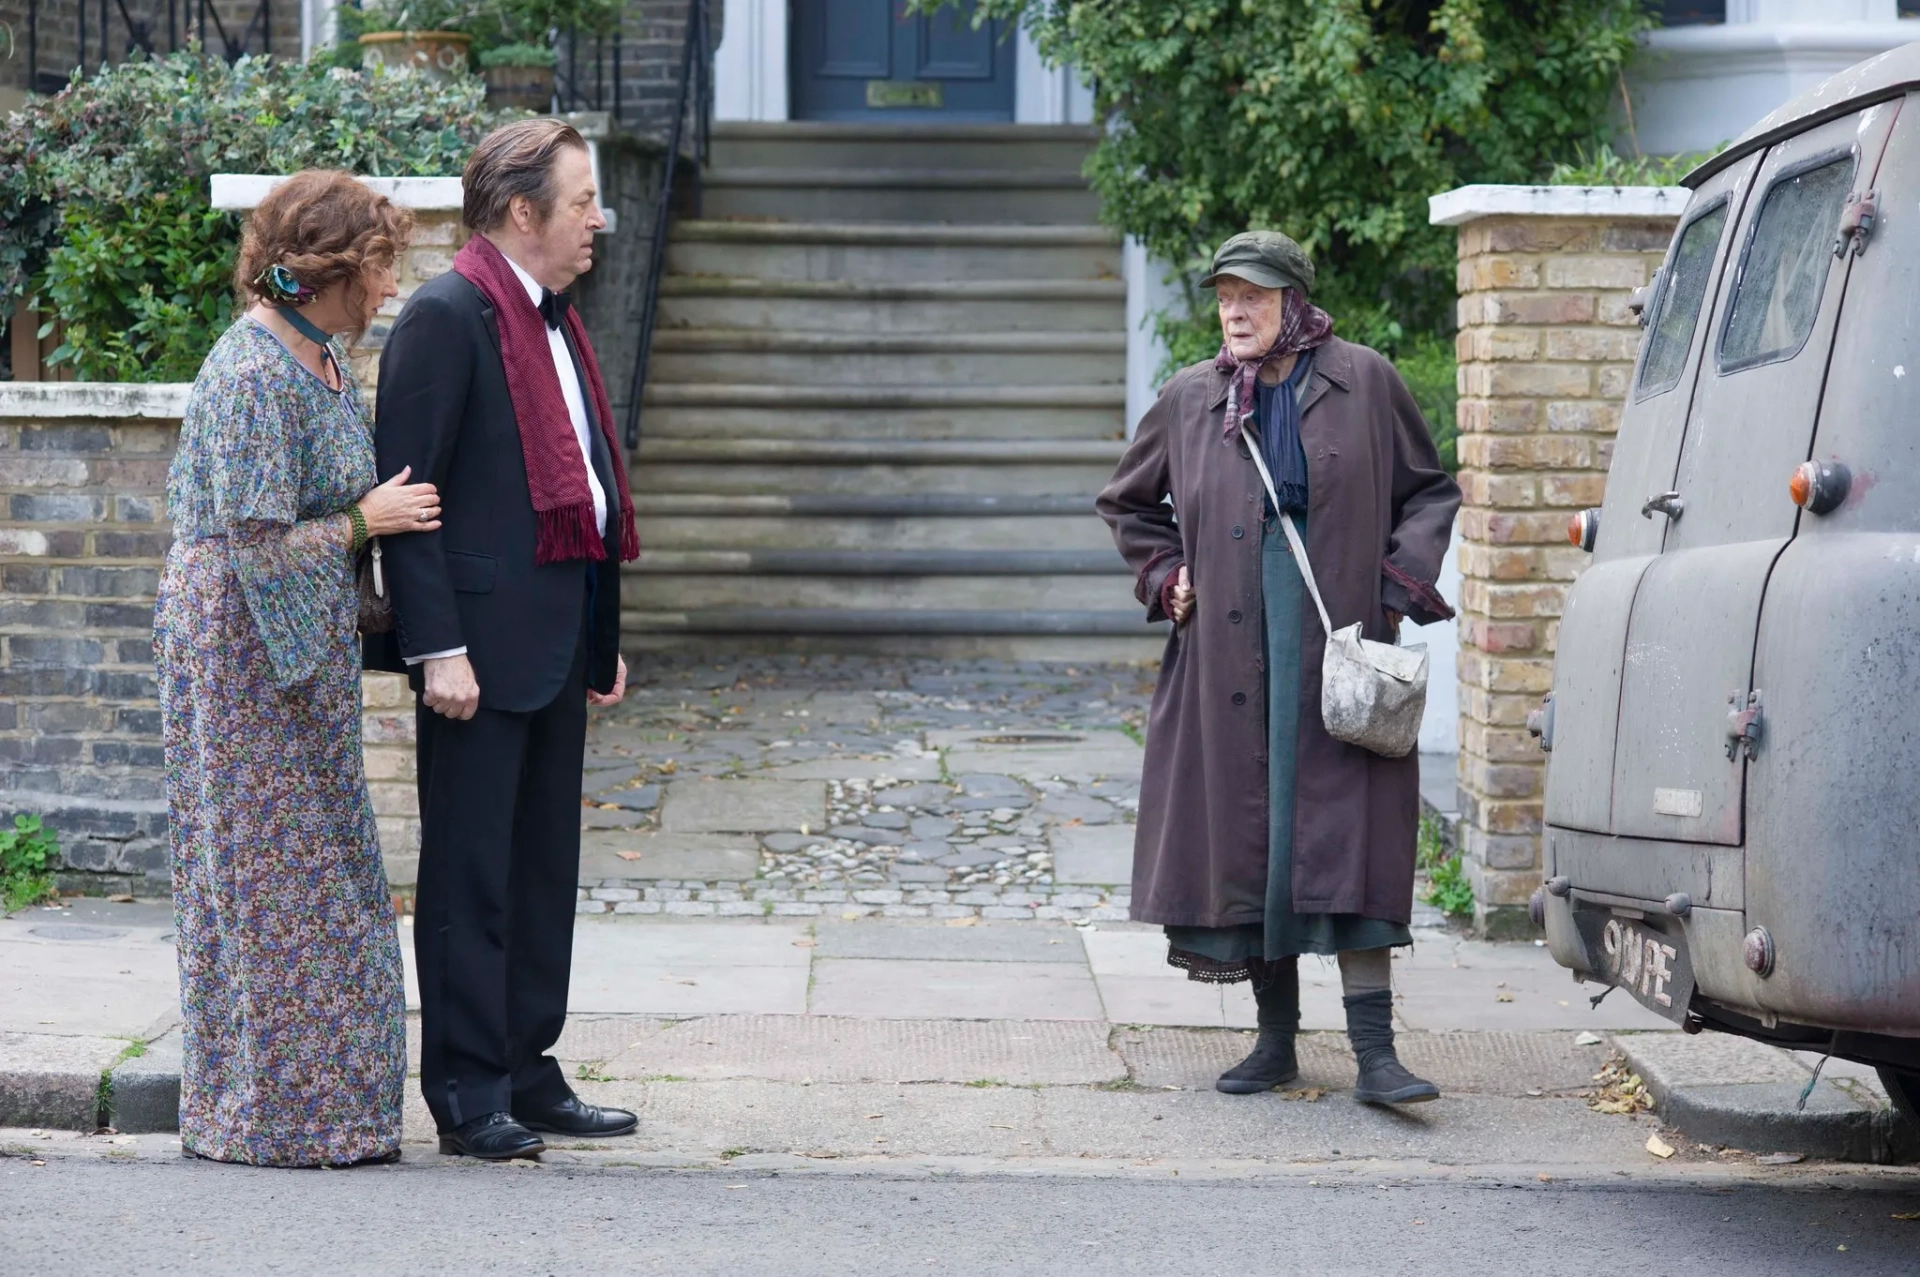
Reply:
x=494, y=1137
x=573, y=1116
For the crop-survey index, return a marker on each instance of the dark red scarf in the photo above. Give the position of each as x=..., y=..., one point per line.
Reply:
x=562, y=501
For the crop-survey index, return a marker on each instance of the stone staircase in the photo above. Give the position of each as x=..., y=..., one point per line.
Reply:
x=887, y=383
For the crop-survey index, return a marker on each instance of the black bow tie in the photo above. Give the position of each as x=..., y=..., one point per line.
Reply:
x=553, y=307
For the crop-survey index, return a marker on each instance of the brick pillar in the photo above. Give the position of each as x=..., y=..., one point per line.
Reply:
x=1546, y=348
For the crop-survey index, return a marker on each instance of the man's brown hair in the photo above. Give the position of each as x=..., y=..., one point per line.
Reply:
x=324, y=226
x=515, y=160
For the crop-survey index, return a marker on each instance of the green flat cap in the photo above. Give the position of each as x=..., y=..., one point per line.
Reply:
x=1266, y=258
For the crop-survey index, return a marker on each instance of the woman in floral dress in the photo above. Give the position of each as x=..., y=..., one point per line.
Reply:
x=290, y=976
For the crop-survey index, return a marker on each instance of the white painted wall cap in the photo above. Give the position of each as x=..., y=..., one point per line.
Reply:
x=1470, y=203
x=428, y=194
x=161, y=401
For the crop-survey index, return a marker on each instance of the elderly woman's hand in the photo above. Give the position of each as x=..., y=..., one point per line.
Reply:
x=397, y=506
x=1182, y=596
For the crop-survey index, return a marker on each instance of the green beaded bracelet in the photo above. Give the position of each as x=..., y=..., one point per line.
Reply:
x=359, y=522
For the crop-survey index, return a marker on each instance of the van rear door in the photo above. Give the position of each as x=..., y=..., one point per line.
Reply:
x=1689, y=650
x=1593, y=630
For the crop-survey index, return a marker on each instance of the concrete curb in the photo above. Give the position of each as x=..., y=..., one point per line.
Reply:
x=1716, y=1089
x=145, y=1093
x=83, y=1083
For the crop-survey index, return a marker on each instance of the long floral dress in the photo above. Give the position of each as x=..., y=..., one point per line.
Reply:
x=290, y=976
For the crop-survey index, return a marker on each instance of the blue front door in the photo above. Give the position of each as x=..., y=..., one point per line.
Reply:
x=870, y=60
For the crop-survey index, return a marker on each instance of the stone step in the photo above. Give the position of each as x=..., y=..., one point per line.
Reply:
x=714, y=636
x=1027, y=478
x=993, y=467
x=1059, y=147
x=694, y=592
x=930, y=252
x=754, y=421
x=704, y=394
x=847, y=305
x=1081, y=530
x=879, y=359
x=889, y=562
x=784, y=622
x=800, y=194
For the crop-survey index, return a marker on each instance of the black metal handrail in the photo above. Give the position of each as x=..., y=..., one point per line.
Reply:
x=186, y=22
x=695, y=98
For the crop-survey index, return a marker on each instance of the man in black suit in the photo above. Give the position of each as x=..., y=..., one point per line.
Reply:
x=507, y=621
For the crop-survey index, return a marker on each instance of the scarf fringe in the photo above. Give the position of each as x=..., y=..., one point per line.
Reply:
x=567, y=533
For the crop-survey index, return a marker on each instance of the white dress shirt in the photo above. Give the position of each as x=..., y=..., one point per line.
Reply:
x=576, y=412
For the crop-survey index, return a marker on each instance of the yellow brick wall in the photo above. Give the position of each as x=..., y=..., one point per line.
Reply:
x=1546, y=348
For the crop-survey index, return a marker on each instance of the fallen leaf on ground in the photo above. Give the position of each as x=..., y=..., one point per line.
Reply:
x=1419, y=1223
x=1587, y=1039
x=608, y=806
x=627, y=855
x=1544, y=1178
x=805, y=944
x=1906, y=1216
x=1780, y=1159
x=968, y=921
x=1659, y=1147
x=1503, y=997
x=1307, y=1093
x=125, y=898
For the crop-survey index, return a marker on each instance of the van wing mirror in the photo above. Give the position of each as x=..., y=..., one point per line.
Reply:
x=1641, y=298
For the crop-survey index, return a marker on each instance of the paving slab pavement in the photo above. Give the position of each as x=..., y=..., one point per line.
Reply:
x=944, y=1003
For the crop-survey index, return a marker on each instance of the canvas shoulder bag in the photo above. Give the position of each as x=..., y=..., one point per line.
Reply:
x=1371, y=694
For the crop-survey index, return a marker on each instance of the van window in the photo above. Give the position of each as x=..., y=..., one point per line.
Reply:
x=1671, y=332
x=1785, y=271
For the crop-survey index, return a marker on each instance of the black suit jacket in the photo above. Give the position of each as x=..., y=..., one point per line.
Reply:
x=443, y=409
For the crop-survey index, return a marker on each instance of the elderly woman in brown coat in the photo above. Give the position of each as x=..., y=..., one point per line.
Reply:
x=1260, y=836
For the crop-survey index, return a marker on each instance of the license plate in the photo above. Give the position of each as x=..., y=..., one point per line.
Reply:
x=1647, y=962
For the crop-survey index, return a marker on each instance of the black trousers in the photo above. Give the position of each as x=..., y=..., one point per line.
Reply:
x=494, y=908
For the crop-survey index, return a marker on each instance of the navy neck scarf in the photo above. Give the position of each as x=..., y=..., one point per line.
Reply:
x=1277, y=409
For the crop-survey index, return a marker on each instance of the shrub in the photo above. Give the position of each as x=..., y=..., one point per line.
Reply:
x=105, y=217
x=27, y=853
x=1334, y=121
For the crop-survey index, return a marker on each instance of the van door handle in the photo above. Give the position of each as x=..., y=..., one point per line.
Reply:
x=1667, y=503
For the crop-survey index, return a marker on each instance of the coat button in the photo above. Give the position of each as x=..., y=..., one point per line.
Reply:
x=1239, y=698
x=1234, y=616
x=1238, y=532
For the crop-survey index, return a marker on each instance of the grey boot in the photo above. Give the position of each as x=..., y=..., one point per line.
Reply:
x=1272, y=1062
x=1383, y=1079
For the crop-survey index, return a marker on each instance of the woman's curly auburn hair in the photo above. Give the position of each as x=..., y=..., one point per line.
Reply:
x=323, y=225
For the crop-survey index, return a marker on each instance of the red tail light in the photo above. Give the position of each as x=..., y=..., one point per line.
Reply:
x=1583, y=528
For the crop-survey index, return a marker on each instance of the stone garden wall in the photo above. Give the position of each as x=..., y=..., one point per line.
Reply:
x=1546, y=348
x=83, y=532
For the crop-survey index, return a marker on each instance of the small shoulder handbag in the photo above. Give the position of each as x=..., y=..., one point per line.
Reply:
x=1371, y=694
x=376, y=605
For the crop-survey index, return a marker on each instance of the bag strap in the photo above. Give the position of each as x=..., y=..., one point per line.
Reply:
x=1293, y=533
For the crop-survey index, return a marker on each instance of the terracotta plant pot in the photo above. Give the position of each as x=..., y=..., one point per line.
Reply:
x=525, y=88
x=441, y=54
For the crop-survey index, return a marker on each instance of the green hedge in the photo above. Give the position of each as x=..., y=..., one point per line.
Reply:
x=105, y=219
x=1331, y=120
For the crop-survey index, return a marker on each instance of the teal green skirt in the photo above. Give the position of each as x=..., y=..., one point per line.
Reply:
x=1228, y=954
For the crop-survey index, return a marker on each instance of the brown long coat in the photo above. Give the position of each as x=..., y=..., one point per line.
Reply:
x=1380, y=508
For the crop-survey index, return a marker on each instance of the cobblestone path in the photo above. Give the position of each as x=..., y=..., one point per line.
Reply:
x=852, y=786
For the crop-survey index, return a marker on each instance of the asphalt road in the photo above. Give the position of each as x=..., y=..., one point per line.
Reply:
x=88, y=1215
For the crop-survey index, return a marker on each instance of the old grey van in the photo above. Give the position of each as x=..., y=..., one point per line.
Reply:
x=1733, y=778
